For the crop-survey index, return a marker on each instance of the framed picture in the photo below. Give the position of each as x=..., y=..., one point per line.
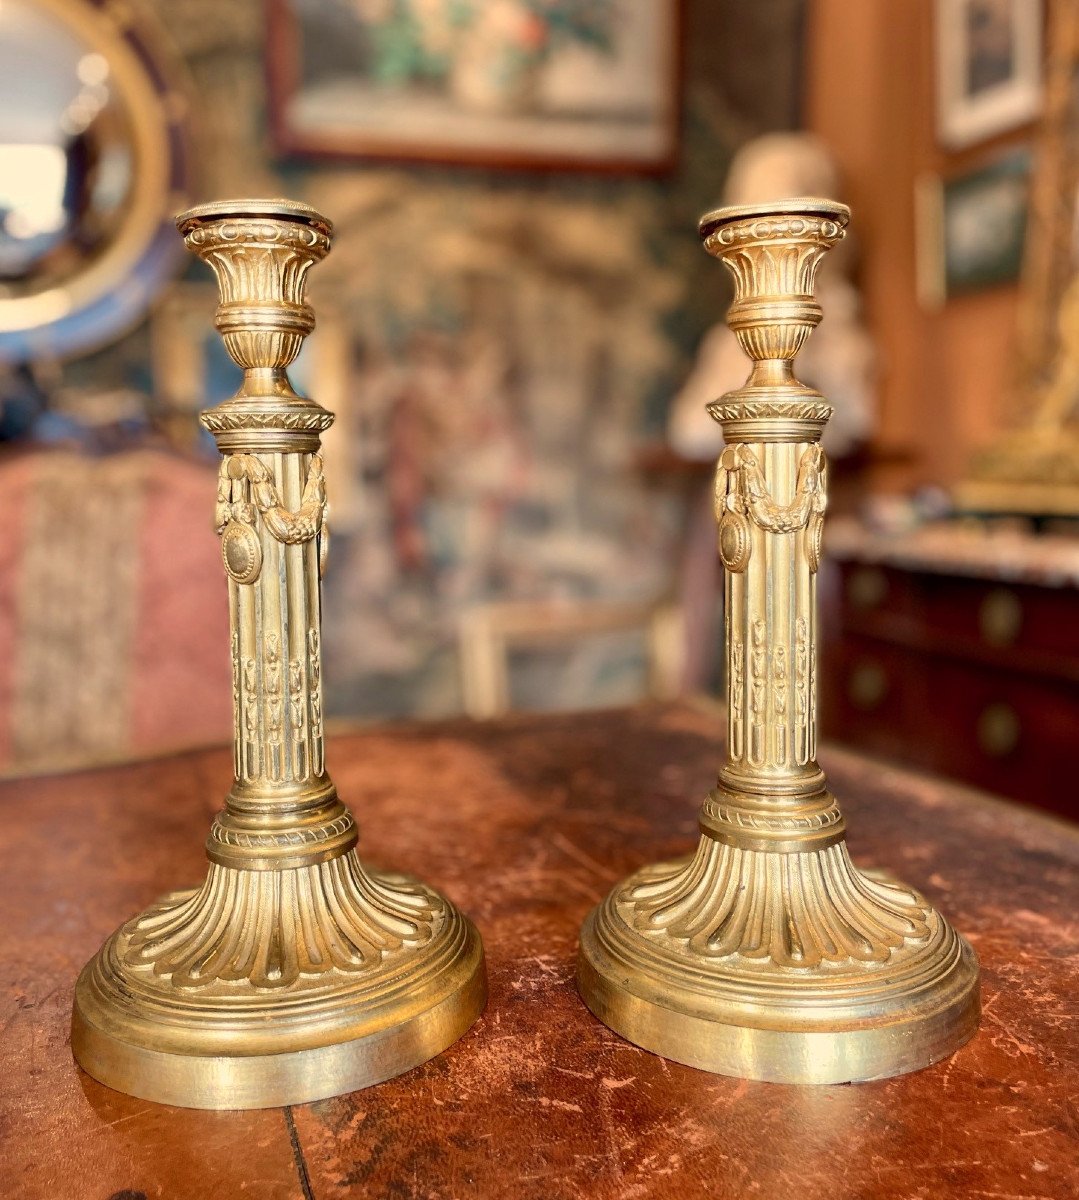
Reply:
x=972, y=228
x=989, y=67
x=555, y=84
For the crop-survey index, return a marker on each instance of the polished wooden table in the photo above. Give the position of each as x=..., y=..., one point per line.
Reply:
x=526, y=823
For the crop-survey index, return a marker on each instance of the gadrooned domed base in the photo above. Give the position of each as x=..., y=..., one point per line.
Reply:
x=831, y=1022
x=228, y=1044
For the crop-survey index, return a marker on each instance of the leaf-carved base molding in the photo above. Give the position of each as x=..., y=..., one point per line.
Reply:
x=281, y=930
x=795, y=968
x=275, y=987
x=788, y=910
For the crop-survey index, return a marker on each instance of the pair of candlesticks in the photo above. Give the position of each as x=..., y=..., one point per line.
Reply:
x=296, y=972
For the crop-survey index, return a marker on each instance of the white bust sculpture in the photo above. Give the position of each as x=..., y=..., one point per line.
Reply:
x=838, y=360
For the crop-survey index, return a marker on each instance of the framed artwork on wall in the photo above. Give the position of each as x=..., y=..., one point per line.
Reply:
x=988, y=66
x=542, y=84
x=972, y=227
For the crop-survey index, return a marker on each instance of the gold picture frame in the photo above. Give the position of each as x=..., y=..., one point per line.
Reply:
x=1051, y=258
x=1033, y=467
x=563, y=86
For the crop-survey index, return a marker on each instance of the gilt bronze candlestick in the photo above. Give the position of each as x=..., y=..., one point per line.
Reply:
x=295, y=972
x=768, y=954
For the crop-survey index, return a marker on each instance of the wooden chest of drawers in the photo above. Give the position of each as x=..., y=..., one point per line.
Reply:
x=976, y=678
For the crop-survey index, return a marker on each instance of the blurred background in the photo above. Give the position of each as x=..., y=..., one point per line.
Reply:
x=518, y=331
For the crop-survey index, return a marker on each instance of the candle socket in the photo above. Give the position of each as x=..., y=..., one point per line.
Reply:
x=295, y=972
x=768, y=954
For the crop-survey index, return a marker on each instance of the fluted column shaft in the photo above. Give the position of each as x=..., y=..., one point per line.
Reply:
x=276, y=655
x=771, y=621
x=282, y=810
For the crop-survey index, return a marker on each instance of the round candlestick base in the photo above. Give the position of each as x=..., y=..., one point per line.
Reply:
x=745, y=1015
x=203, y=1038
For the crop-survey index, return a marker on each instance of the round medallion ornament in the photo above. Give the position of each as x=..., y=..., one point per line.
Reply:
x=735, y=546
x=814, y=538
x=242, y=552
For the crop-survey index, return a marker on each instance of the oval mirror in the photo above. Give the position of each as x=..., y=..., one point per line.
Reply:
x=93, y=163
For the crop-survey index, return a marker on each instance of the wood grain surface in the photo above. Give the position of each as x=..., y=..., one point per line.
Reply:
x=526, y=823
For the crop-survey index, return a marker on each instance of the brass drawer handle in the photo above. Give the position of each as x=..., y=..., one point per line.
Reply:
x=867, y=587
x=1000, y=617
x=998, y=730
x=868, y=685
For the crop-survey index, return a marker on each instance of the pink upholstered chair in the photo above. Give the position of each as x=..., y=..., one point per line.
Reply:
x=113, y=608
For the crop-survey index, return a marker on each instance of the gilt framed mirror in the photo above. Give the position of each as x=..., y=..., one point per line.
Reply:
x=94, y=162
